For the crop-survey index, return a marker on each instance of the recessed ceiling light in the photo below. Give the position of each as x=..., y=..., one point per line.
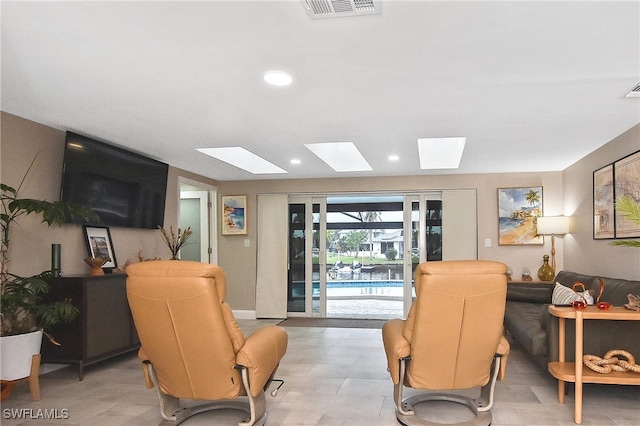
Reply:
x=295, y=161
x=243, y=159
x=278, y=78
x=393, y=158
x=440, y=153
x=340, y=156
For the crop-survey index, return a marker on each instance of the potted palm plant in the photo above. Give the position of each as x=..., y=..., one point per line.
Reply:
x=24, y=313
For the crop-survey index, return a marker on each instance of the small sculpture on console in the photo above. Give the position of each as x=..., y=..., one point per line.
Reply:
x=634, y=302
x=96, y=264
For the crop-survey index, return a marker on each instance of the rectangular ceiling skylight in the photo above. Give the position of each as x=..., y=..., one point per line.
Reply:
x=440, y=153
x=340, y=156
x=243, y=159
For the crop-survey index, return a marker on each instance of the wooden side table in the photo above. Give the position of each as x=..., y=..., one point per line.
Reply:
x=577, y=372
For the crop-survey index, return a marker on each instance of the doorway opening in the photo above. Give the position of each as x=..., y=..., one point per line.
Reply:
x=197, y=210
x=354, y=256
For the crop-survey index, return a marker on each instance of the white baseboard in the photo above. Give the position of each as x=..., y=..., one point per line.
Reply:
x=244, y=314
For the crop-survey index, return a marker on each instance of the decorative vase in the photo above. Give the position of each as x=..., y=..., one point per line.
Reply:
x=546, y=272
x=96, y=264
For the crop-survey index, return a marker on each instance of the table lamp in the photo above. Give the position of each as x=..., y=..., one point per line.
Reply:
x=553, y=225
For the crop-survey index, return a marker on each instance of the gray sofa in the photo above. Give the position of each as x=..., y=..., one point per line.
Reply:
x=527, y=319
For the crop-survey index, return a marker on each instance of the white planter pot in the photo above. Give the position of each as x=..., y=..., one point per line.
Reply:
x=17, y=352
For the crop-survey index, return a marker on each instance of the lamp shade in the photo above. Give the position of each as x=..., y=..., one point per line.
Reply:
x=553, y=225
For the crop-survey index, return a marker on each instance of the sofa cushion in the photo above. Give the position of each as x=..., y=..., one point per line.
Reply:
x=616, y=290
x=544, y=315
x=523, y=322
x=567, y=279
x=565, y=296
x=529, y=292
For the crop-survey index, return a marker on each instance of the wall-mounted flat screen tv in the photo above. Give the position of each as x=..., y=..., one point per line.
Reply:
x=123, y=188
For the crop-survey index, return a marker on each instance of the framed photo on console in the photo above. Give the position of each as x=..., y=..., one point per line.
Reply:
x=99, y=244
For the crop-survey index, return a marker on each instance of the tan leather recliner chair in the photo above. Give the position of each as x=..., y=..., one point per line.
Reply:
x=452, y=338
x=192, y=347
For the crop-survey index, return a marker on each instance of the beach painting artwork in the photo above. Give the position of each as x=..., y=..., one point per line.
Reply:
x=234, y=211
x=518, y=210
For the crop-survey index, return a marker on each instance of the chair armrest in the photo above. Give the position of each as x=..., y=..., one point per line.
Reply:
x=395, y=346
x=262, y=351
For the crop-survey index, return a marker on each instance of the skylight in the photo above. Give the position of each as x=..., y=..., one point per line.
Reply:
x=440, y=153
x=243, y=159
x=340, y=156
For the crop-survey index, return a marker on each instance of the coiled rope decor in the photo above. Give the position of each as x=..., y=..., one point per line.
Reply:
x=611, y=362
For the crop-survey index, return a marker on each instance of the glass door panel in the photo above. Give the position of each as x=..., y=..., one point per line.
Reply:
x=297, y=264
x=317, y=262
x=423, y=223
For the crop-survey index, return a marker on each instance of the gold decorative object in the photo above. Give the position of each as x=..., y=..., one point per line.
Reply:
x=96, y=264
x=546, y=272
x=175, y=241
x=553, y=225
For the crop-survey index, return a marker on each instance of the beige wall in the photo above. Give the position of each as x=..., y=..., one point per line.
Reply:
x=567, y=192
x=584, y=254
x=31, y=241
x=240, y=262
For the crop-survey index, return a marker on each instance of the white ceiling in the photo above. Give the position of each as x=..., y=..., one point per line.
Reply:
x=533, y=86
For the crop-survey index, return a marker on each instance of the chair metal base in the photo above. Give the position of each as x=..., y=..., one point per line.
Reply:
x=183, y=413
x=174, y=413
x=406, y=416
x=481, y=407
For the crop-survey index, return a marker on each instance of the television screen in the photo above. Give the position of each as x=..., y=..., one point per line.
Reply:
x=123, y=188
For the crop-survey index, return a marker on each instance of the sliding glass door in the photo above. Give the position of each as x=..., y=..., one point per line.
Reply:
x=353, y=256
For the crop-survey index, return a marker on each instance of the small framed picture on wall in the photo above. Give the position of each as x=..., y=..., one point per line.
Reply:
x=234, y=215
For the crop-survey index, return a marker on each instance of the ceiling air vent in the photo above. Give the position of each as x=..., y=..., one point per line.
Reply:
x=338, y=8
x=634, y=92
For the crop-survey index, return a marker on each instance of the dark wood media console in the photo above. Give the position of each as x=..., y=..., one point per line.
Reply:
x=103, y=329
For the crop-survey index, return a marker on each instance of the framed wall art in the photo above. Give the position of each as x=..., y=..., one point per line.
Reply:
x=99, y=244
x=603, y=199
x=518, y=210
x=234, y=215
x=627, y=183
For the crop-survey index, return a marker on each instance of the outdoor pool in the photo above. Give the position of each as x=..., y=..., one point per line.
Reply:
x=360, y=288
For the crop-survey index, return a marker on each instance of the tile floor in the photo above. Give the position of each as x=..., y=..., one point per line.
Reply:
x=334, y=376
